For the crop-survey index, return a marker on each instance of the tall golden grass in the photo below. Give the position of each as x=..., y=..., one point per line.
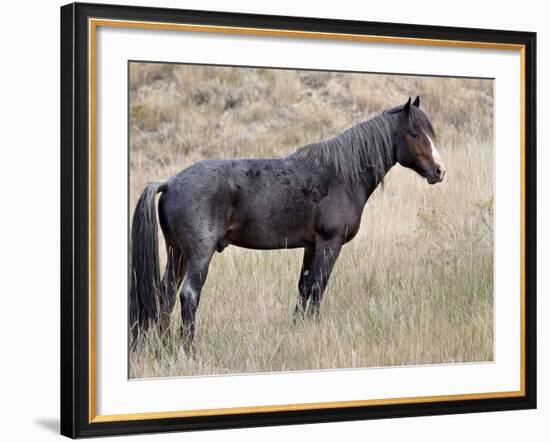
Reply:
x=416, y=284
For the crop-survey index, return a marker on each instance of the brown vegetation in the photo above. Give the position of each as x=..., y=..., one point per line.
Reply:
x=414, y=287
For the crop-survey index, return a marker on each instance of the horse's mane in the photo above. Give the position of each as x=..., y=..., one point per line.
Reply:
x=365, y=151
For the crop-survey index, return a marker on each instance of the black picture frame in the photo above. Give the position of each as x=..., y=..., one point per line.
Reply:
x=75, y=220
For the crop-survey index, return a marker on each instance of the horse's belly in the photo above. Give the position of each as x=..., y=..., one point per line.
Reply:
x=264, y=233
x=248, y=243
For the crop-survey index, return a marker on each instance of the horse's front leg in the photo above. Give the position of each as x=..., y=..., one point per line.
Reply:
x=304, y=284
x=326, y=254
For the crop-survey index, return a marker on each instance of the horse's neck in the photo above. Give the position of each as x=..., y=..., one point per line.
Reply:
x=365, y=189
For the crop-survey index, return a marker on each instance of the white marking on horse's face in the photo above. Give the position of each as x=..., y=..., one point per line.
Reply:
x=306, y=272
x=435, y=155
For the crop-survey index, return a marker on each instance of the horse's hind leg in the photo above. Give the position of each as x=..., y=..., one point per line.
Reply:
x=195, y=277
x=304, y=284
x=171, y=280
x=174, y=271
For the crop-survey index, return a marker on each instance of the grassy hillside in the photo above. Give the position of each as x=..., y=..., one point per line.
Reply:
x=416, y=284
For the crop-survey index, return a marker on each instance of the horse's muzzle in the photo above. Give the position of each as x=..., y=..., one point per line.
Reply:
x=437, y=174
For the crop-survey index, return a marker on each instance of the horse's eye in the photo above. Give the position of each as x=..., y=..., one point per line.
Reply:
x=414, y=134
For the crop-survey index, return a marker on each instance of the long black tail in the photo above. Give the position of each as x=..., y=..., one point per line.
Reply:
x=145, y=274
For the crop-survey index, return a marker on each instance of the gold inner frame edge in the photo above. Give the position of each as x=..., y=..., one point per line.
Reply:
x=93, y=23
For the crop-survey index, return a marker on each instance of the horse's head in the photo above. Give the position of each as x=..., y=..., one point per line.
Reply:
x=414, y=142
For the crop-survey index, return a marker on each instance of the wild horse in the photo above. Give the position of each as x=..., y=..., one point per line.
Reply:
x=312, y=199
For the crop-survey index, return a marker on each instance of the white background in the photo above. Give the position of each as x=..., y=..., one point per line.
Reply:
x=29, y=238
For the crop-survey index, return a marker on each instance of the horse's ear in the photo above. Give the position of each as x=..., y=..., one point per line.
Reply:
x=407, y=107
x=416, y=101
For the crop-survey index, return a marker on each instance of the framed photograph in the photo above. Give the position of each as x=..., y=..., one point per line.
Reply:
x=274, y=220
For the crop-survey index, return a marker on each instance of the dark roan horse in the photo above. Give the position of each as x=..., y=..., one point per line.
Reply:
x=312, y=199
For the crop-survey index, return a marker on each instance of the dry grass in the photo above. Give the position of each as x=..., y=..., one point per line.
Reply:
x=414, y=287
